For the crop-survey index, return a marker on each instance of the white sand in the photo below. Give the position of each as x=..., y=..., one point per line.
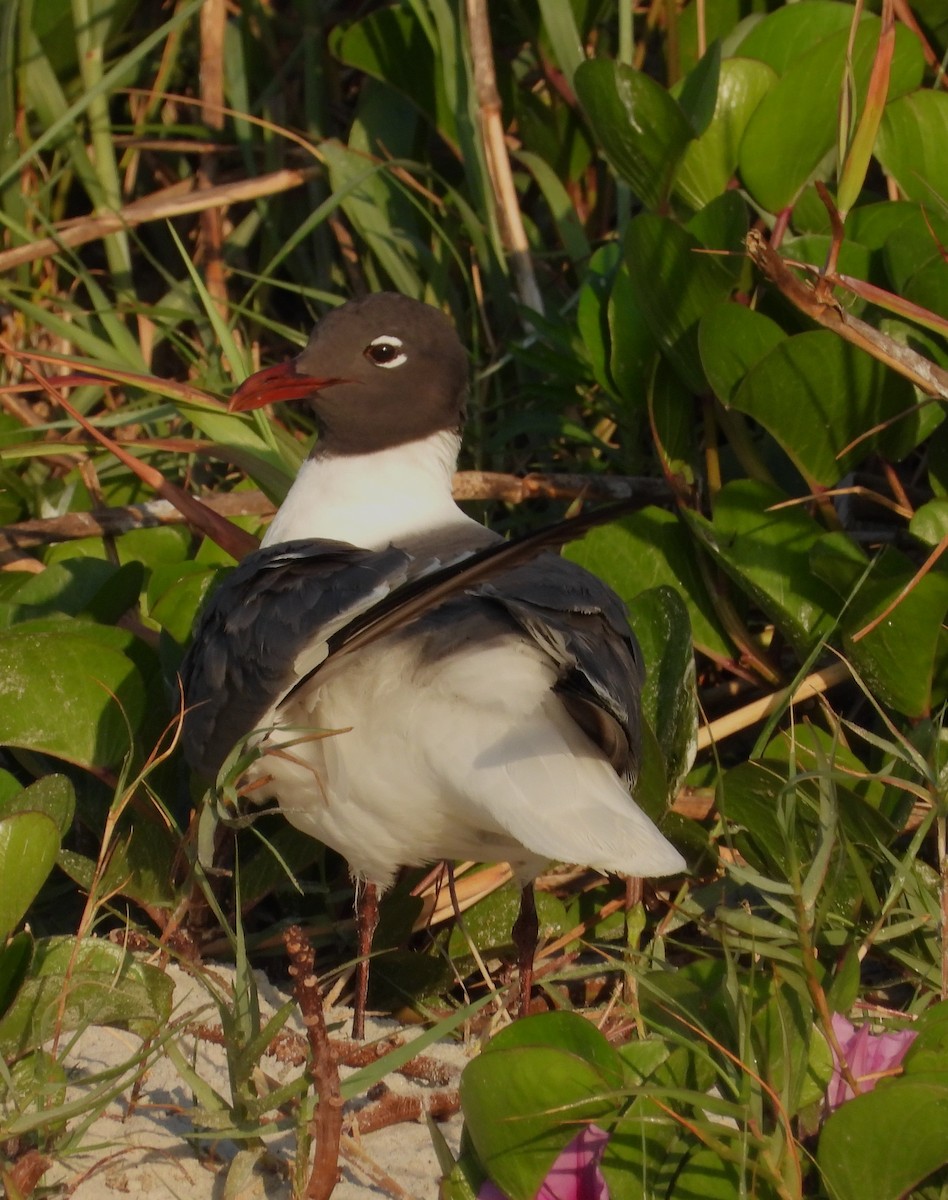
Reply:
x=146, y=1151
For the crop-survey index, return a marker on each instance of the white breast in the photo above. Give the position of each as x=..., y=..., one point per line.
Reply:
x=374, y=500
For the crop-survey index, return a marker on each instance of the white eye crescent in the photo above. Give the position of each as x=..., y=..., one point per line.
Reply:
x=386, y=351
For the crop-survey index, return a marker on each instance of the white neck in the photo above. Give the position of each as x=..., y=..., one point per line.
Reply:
x=372, y=500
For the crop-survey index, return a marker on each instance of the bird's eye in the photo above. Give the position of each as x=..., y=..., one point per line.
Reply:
x=386, y=351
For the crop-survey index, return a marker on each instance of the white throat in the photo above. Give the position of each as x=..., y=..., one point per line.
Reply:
x=372, y=500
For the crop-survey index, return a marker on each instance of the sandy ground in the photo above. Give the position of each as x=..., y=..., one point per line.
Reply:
x=144, y=1148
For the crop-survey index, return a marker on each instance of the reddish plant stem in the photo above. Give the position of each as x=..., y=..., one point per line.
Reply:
x=326, y=1127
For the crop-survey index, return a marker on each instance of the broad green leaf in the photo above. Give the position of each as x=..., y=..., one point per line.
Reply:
x=930, y=522
x=767, y=553
x=698, y=94
x=141, y=866
x=79, y=682
x=15, y=959
x=794, y=1057
x=705, y=1175
x=646, y=550
x=793, y=31
x=928, y=1053
x=710, y=161
x=81, y=587
x=632, y=346
x=913, y=134
x=53, y=795
x=526, y=1094
x=393, y=46
x=89, y=983
x=749, y=800
x=176, y=594
x=641, y=129
x=731, y=339
x=669, y=700
x=668, y=265
x=879, y=1145
x=898, y=657
x=802, y=106
x=29, y=843
x=490, y=922
x=913, y=255
x=816, y=394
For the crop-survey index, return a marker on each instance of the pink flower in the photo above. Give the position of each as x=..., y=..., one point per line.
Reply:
x=574, y=1176
x=870, y=1057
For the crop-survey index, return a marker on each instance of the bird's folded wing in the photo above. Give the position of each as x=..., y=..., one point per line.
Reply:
x=583, y=627
x=268, y=625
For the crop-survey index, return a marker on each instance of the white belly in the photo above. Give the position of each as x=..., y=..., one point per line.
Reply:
x=426, y=753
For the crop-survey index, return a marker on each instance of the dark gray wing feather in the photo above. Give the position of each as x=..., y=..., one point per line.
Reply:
x=284, y=599
x=582, y=625
x=280, y=601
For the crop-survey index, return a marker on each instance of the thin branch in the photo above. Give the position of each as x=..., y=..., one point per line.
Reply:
x=932, y=379
x=468, y=485
x=175, y=201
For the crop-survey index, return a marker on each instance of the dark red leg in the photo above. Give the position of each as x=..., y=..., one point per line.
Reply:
x=367, y=917
x=526, y=932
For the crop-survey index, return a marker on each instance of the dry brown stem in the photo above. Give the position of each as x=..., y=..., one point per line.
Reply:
x=175, y=201
x=495, y=154
x=818, y=304
x=390, y=1108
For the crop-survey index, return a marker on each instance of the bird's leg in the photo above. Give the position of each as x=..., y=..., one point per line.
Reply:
x=526, y=931
x=367, y=917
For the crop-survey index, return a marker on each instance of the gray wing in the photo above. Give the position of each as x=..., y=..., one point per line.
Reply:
x=582, y=624
x=281, y=604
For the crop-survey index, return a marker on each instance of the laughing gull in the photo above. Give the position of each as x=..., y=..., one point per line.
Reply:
x=497, y=720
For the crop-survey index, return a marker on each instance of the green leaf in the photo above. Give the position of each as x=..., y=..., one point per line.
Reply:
x=53, y=795
x=669, y=700
x=913, y=259
x=29, y=843
x=394, y=46
x=81, y=586
x=897, y=659
x=731, y=339
x=911, y=139
x=767, y=553
x=641, y=129
x=15, y=959
x=526, y=1094
x=559, y=23
x=816, y=394
x=930, y=522
x=89, y=983
x=803, y=108
x=175, y=595
x=646, y=550
x=709, y=163
x=879, y=1145
x=793, y=31
x=698, y=94
x=79, y=681
x=666, y=263
x=633, y=349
